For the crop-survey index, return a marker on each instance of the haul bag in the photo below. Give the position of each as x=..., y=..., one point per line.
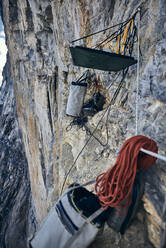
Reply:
x=76, y=98
x=72, y=222
x=122, y=222
x=94, y=105
x=101, y=60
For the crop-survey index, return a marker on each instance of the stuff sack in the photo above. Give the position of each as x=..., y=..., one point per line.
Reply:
x=72, y=222
x=76, y=98
x=94, y=105
x=122, y=222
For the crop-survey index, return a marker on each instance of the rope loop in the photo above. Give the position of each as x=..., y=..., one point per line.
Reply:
x=114, y=186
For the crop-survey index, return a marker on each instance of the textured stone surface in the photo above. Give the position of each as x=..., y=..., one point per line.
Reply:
x=15, y=194
x=135, y=236
x=38, y=36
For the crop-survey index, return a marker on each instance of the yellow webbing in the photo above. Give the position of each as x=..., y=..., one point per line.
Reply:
x=121, y=38
x=120, y=49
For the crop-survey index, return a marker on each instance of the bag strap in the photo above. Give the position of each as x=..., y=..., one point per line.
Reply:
x=95, y=215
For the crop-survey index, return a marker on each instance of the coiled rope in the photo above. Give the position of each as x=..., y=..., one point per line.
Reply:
x=115, y=185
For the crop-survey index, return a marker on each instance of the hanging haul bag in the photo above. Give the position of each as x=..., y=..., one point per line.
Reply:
x=72, y=223
x=122, y=222
x=94, y=105
x=76, y=98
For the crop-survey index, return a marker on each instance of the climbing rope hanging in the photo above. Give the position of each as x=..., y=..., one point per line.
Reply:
x=114, y=186
x=106, y=111
x=79, y=154
x=100, y=31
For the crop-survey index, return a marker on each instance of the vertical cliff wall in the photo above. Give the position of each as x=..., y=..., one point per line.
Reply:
x=38, y=35
x=16, y=214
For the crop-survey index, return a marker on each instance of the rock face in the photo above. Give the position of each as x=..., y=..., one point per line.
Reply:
x=16, y=215
x=38, y=35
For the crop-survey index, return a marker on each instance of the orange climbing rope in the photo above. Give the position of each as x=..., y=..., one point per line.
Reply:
x=115, y=185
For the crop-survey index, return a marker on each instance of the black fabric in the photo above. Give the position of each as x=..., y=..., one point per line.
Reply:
x=80, y=83
x=94, y=105
x=101, y=60
x=129, y=214
x=121, y=223
x=77, y=121
x=88, y=203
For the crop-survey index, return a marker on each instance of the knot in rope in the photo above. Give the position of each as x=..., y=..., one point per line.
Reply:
x=115, y=185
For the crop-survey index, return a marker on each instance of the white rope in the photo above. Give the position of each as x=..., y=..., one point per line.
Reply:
x=137, y=91
x=156, y=155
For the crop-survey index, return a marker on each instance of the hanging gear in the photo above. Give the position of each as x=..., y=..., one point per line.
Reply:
x=115, y=186
x=115, y=60
x=77, y=121
x=120, y=223
x=73, y=222
x=94, y=105
x=106, y=111
x=76, y=98
x=100, y=60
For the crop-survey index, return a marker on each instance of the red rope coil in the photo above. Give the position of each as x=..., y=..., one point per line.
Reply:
x=115, y=185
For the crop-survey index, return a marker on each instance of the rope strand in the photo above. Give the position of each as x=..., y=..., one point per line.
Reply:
x=114, y=186
x=103, y=30
x=108, y=108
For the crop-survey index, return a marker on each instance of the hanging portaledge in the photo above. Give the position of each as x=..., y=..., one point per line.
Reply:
x=100, y=60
